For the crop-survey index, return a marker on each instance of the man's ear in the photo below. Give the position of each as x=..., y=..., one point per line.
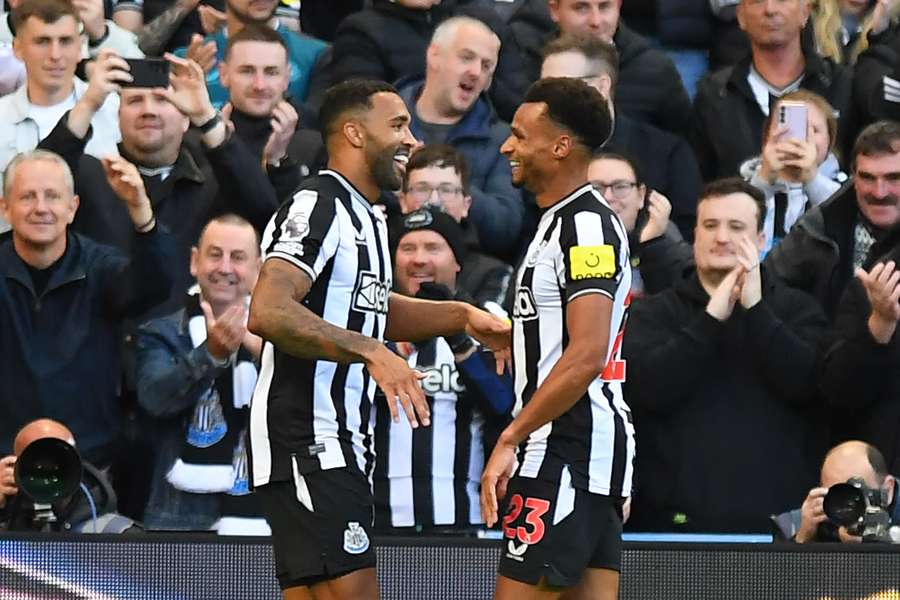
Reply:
x=195, y=257
x=223, y=74
x=562, y=146
x=353, y=132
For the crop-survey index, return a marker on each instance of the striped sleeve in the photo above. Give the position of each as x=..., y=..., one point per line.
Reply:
x=305, y=232
x=591, y=249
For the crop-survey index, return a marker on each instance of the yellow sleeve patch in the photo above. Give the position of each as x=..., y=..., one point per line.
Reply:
x=592, y=262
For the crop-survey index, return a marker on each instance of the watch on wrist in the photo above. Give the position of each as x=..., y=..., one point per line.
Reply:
x=208, y=125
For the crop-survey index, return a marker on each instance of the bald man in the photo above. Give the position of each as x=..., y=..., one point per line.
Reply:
x=843, y=462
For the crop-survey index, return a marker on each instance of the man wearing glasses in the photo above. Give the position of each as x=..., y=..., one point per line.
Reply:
x=437, y=175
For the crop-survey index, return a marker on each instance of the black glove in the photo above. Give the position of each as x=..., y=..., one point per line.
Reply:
x=459, y=343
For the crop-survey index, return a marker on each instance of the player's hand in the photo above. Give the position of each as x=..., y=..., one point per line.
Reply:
x=400, y=384
x=492, y=332
x=882, y=285
x=284, y=122
x=658, y=210
x=204, y=54
x=495, y=478
x=721, y=302
x=812, y=513
x=748, y=258
x=7, y=478
x=225, y=333
x=127, y=183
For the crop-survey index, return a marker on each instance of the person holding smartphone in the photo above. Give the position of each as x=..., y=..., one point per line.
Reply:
x=797, y=168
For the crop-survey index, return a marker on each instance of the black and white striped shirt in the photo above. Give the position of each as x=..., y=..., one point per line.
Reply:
x=430, y=476
x=580, y=248
x=317, y=412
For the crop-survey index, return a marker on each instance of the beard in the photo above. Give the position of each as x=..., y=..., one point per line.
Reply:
x=245, y=17
x=384, y=170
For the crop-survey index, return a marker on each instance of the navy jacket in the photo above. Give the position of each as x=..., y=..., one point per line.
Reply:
x=61, y=350
x=497, y=207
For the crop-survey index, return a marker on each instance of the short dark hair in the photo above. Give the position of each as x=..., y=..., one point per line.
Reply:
x=350, y=95
x=736, y=185
x=255, y=32
x=598, y=52
x=48, y=11
x=877, y=462
x=575, y=106
x=606, y=155
x=230, y=219
x=878, y=139
x=442, y=156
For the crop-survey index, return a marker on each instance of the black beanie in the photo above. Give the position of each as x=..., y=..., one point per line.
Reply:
x=432, y=219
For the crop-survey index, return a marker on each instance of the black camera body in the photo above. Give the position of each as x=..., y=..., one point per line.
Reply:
x=860, y=509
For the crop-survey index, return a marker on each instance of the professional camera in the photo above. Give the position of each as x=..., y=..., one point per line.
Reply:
x=49, y=472
x=859, y=509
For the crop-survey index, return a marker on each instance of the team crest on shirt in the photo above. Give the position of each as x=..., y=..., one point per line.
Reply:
x=356, y=540
x=535, y=255
x=592, y=262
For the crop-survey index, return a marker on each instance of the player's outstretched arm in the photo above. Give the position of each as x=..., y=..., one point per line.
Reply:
x=277, y=316
x=587, y=323
x=416, y=320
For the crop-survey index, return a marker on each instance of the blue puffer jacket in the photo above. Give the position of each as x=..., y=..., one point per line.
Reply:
x=497, y=207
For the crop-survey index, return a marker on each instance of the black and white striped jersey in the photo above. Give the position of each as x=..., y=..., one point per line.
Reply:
x=430, y=476
x=580, y=248
x=315, y=414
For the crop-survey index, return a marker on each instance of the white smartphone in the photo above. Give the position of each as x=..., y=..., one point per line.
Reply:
x=793, y=115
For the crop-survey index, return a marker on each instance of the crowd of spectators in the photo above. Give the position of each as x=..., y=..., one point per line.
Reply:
x=766, y=265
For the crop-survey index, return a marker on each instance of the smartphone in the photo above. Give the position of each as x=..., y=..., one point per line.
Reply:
x=148, y=72
x=793, y=116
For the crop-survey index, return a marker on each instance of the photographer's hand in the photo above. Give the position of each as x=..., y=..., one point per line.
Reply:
x=7, y=479
x=811, y=514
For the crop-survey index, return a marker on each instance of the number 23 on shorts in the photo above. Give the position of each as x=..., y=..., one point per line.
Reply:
x=537, y=507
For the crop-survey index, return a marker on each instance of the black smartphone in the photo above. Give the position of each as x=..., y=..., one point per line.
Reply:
x=148, y=72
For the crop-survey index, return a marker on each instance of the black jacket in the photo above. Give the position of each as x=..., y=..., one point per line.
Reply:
x=666, y=164
x=861, y=378
x=61, y=350
x=677, y=23
x=728, y=123
x=649, y=87
x=203, y=183
x=387, y=41
x=724, y=412
x=881, y=58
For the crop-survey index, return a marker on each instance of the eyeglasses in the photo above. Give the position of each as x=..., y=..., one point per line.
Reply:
x=446, y=191
x=618, y=189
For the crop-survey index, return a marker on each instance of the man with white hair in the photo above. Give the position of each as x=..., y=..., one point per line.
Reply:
x=450, y=106
x=63, y=298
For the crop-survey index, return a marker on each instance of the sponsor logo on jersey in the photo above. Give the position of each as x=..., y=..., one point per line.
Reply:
x=516, y=551
x=371, y=294
x=592, y=262
x=524, y=306
x=441, y=379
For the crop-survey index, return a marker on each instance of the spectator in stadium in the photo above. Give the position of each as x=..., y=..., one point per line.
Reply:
x=876, y=79
x=666, y=161
x=859, y=378
x=97, y=31
x=188, y=180
x=71, y=514
x=649, y=88
x=449, y=106
x=724, y=357
x=842, y=28
x=12, y=70
x=849, y=460
x=645, y=214
x=196, y=374
x=256, y=73
x=437, y=176
x=795, y=174
x=47, y=41
x=732, y=103
x=428, y=478
x=308, y=56
x=387, y=41
x=169, y=24
x=64, y=297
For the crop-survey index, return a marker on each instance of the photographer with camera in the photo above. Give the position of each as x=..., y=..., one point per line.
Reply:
x=46, y=486
x=861, y=466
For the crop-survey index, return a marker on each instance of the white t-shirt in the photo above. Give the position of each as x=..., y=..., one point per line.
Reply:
x=47, y=117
